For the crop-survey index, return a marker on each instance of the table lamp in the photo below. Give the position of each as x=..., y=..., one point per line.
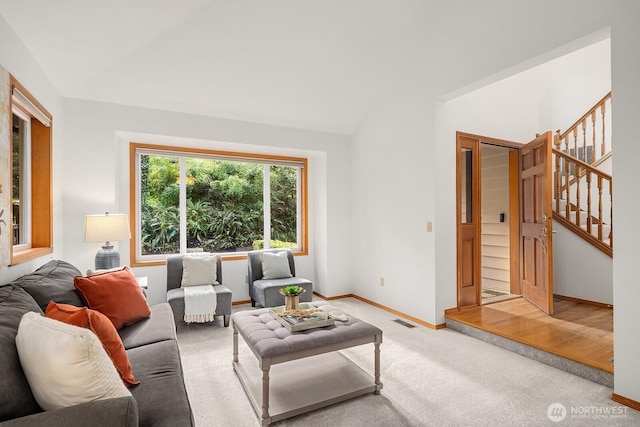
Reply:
x=106, y=228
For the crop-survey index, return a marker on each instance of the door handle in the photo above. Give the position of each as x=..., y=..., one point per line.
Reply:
x=543, y=234
x=544, y=231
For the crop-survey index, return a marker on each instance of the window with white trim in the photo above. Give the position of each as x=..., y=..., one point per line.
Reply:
x=213, y=201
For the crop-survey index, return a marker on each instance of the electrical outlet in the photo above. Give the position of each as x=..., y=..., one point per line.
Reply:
x=429, y=226
x=382, y=281
x=246, y=279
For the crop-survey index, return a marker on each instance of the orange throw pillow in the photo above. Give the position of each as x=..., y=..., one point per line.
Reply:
x=102, y=327
x=117, y=295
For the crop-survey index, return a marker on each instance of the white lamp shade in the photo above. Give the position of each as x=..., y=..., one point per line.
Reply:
x=106, y=228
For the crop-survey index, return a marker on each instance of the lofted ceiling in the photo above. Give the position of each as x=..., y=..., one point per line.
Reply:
x=312, y=64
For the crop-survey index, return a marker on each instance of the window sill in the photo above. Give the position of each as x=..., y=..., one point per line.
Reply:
x=29, y=254
x=148, y=263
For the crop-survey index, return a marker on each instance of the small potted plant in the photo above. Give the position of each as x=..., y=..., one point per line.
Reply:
x=291, y=296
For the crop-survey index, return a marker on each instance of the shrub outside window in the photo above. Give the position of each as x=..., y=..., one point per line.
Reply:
x=213, y=201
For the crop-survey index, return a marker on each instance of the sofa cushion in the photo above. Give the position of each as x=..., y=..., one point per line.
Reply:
x=51, y=282
x=117, y=295
x=158, y=327
x=16, y=399
x=275, y=265
x=100, y=325
x=161, y=396
x=65, y=364
x=267, y=292
x=116, y=412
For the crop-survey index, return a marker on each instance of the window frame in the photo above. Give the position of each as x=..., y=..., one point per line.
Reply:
x=25, y=199
x=137, y=148
x=41, y=160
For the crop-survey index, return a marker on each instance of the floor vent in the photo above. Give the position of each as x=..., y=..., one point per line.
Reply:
x=403, y=323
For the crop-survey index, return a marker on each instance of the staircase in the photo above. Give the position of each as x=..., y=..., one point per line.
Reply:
x=582, y=182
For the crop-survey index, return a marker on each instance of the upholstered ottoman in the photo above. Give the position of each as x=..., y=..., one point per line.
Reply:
x=315, y=374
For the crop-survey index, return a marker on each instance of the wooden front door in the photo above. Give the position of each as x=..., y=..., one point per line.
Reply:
x=536, y=254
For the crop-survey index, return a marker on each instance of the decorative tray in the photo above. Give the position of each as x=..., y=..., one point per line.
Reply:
x=296, y=323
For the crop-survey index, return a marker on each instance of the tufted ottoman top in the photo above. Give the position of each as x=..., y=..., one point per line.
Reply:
x=268, y=338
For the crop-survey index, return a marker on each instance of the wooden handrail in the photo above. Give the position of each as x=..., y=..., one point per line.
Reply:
x=577, y=153
x=585, y=116
x=568, y=187
x=574, y=140
x=582, y=164
x=594, y=164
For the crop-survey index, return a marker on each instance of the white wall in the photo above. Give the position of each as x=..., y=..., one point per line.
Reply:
x=15, y=58
x=393, y=198
x=579, y=269
x=99, y=139
x=625, y=40
x=573, y=83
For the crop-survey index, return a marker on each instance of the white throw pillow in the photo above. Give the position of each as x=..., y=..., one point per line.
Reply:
x=275, y=265
x=65, y=365
x=199, y=270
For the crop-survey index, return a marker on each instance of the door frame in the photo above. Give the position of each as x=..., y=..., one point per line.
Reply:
x=465, y=280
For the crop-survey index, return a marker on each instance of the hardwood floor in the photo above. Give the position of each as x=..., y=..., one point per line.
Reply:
x=577, y=331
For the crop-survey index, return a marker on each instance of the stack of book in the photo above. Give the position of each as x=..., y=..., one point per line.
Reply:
x=302, y=319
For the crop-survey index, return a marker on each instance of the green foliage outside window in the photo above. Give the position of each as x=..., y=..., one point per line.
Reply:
x=275, y=244
x=224, y=204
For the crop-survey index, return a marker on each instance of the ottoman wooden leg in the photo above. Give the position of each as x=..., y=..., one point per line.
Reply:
x=266, y=367
x=376, y=368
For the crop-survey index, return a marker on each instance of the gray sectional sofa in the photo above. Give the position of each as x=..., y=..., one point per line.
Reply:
x=151, y=345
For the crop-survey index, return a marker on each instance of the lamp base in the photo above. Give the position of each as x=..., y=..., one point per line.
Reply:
x=107, y=258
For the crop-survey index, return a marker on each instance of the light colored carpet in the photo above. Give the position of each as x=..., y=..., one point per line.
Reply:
x=431, y=378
